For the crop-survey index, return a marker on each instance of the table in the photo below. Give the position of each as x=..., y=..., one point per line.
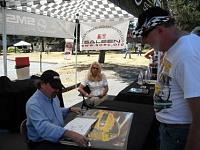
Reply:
x=110, y=131
x=141, y=135
x=131, y=97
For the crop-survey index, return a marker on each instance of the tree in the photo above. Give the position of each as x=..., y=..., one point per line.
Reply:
x=186, y=12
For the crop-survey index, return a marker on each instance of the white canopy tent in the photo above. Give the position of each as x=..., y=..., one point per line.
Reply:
x=62, y=10
x=22, y=43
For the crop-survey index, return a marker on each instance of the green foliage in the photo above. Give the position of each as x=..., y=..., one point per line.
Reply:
x=12, y=49
x=186, y=12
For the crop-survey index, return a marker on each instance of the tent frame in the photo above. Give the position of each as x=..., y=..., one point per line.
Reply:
x=4, y=36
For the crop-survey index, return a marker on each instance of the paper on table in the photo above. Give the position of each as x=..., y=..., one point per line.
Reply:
x=150, y=81
x=81, y=125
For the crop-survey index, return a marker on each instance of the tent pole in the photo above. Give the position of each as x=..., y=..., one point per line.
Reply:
x=157, y=3
x=76, y=48
x=3, y=5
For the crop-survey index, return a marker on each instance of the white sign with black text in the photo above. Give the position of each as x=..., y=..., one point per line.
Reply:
x=103, y=35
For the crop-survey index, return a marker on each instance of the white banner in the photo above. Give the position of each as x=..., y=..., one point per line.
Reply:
x=23, y=23
x=103, y=36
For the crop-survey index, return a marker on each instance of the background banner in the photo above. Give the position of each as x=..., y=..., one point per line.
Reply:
x=23, y=23
x=103, y=36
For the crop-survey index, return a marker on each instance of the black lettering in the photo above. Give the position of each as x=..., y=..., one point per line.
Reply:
x=103, y=41
x=117, y=41
x=110, y=41
x=92, y=42
x=86, y=42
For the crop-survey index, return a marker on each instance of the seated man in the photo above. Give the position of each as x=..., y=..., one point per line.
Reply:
x=45, y=117
x=97, y=83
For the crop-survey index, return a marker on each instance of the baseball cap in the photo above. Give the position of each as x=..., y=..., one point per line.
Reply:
x=151, y=18
x=53, y=78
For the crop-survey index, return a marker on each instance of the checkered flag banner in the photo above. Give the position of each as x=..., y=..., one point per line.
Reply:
x=150, y=23
x=70, y=10
x=136, y=33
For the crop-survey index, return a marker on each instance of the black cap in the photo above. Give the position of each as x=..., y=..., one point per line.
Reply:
x=151, y=18
x=52, y=78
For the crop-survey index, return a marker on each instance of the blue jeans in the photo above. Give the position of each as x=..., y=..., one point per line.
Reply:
x=172, y=138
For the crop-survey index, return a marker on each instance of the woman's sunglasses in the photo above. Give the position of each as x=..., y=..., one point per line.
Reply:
x=95, y=68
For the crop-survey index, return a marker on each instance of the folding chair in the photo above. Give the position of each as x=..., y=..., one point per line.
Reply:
x=84, y=104
x=23, y=133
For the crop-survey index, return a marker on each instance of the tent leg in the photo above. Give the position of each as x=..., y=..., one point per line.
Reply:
x=4, y=39
x=76, y=48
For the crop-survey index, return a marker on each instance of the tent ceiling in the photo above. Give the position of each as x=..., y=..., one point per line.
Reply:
x=87, y=10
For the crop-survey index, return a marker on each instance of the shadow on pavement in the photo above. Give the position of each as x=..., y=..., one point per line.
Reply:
x=126, y=73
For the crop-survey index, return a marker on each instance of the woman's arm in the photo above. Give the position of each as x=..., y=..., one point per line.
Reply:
x=105, y=91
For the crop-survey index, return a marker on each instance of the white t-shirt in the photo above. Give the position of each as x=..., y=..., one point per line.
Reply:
x=178, y=79
x=96, y=87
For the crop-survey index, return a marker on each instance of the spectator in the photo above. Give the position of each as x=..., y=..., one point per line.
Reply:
x=128, y=50
x=139, y=49
x=153, y=64
x=177, y=94
x=97, y=83
x=45, y=117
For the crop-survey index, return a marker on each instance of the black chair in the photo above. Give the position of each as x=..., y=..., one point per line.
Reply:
x=84, y=103
x=23, y=133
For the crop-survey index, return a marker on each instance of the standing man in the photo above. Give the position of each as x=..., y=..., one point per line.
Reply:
x=177, y=92
x=128, y=50
x=139, y=49
x=45, y=117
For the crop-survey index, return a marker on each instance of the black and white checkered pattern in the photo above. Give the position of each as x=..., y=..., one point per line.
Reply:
x=88, y=10
x=151, y=23
x=136, y=33
x=155, y=21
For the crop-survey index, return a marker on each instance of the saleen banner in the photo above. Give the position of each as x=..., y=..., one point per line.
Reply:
x=103, y=36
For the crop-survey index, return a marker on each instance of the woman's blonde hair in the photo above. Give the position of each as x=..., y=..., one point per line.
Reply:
x=99, y=74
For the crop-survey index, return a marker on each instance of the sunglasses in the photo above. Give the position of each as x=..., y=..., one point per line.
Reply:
x=147, y=32
x=95, y=68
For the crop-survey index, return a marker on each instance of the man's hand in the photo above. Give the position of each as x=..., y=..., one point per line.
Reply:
x=76, y=110
x=76, y=137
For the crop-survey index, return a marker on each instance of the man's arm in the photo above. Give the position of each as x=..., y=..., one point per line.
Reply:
x=76, y=137
x=194, y=132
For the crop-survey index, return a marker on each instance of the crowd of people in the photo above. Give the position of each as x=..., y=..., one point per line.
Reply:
x=176, y=97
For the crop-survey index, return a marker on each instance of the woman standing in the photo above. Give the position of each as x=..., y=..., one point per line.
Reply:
x=97, y=83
